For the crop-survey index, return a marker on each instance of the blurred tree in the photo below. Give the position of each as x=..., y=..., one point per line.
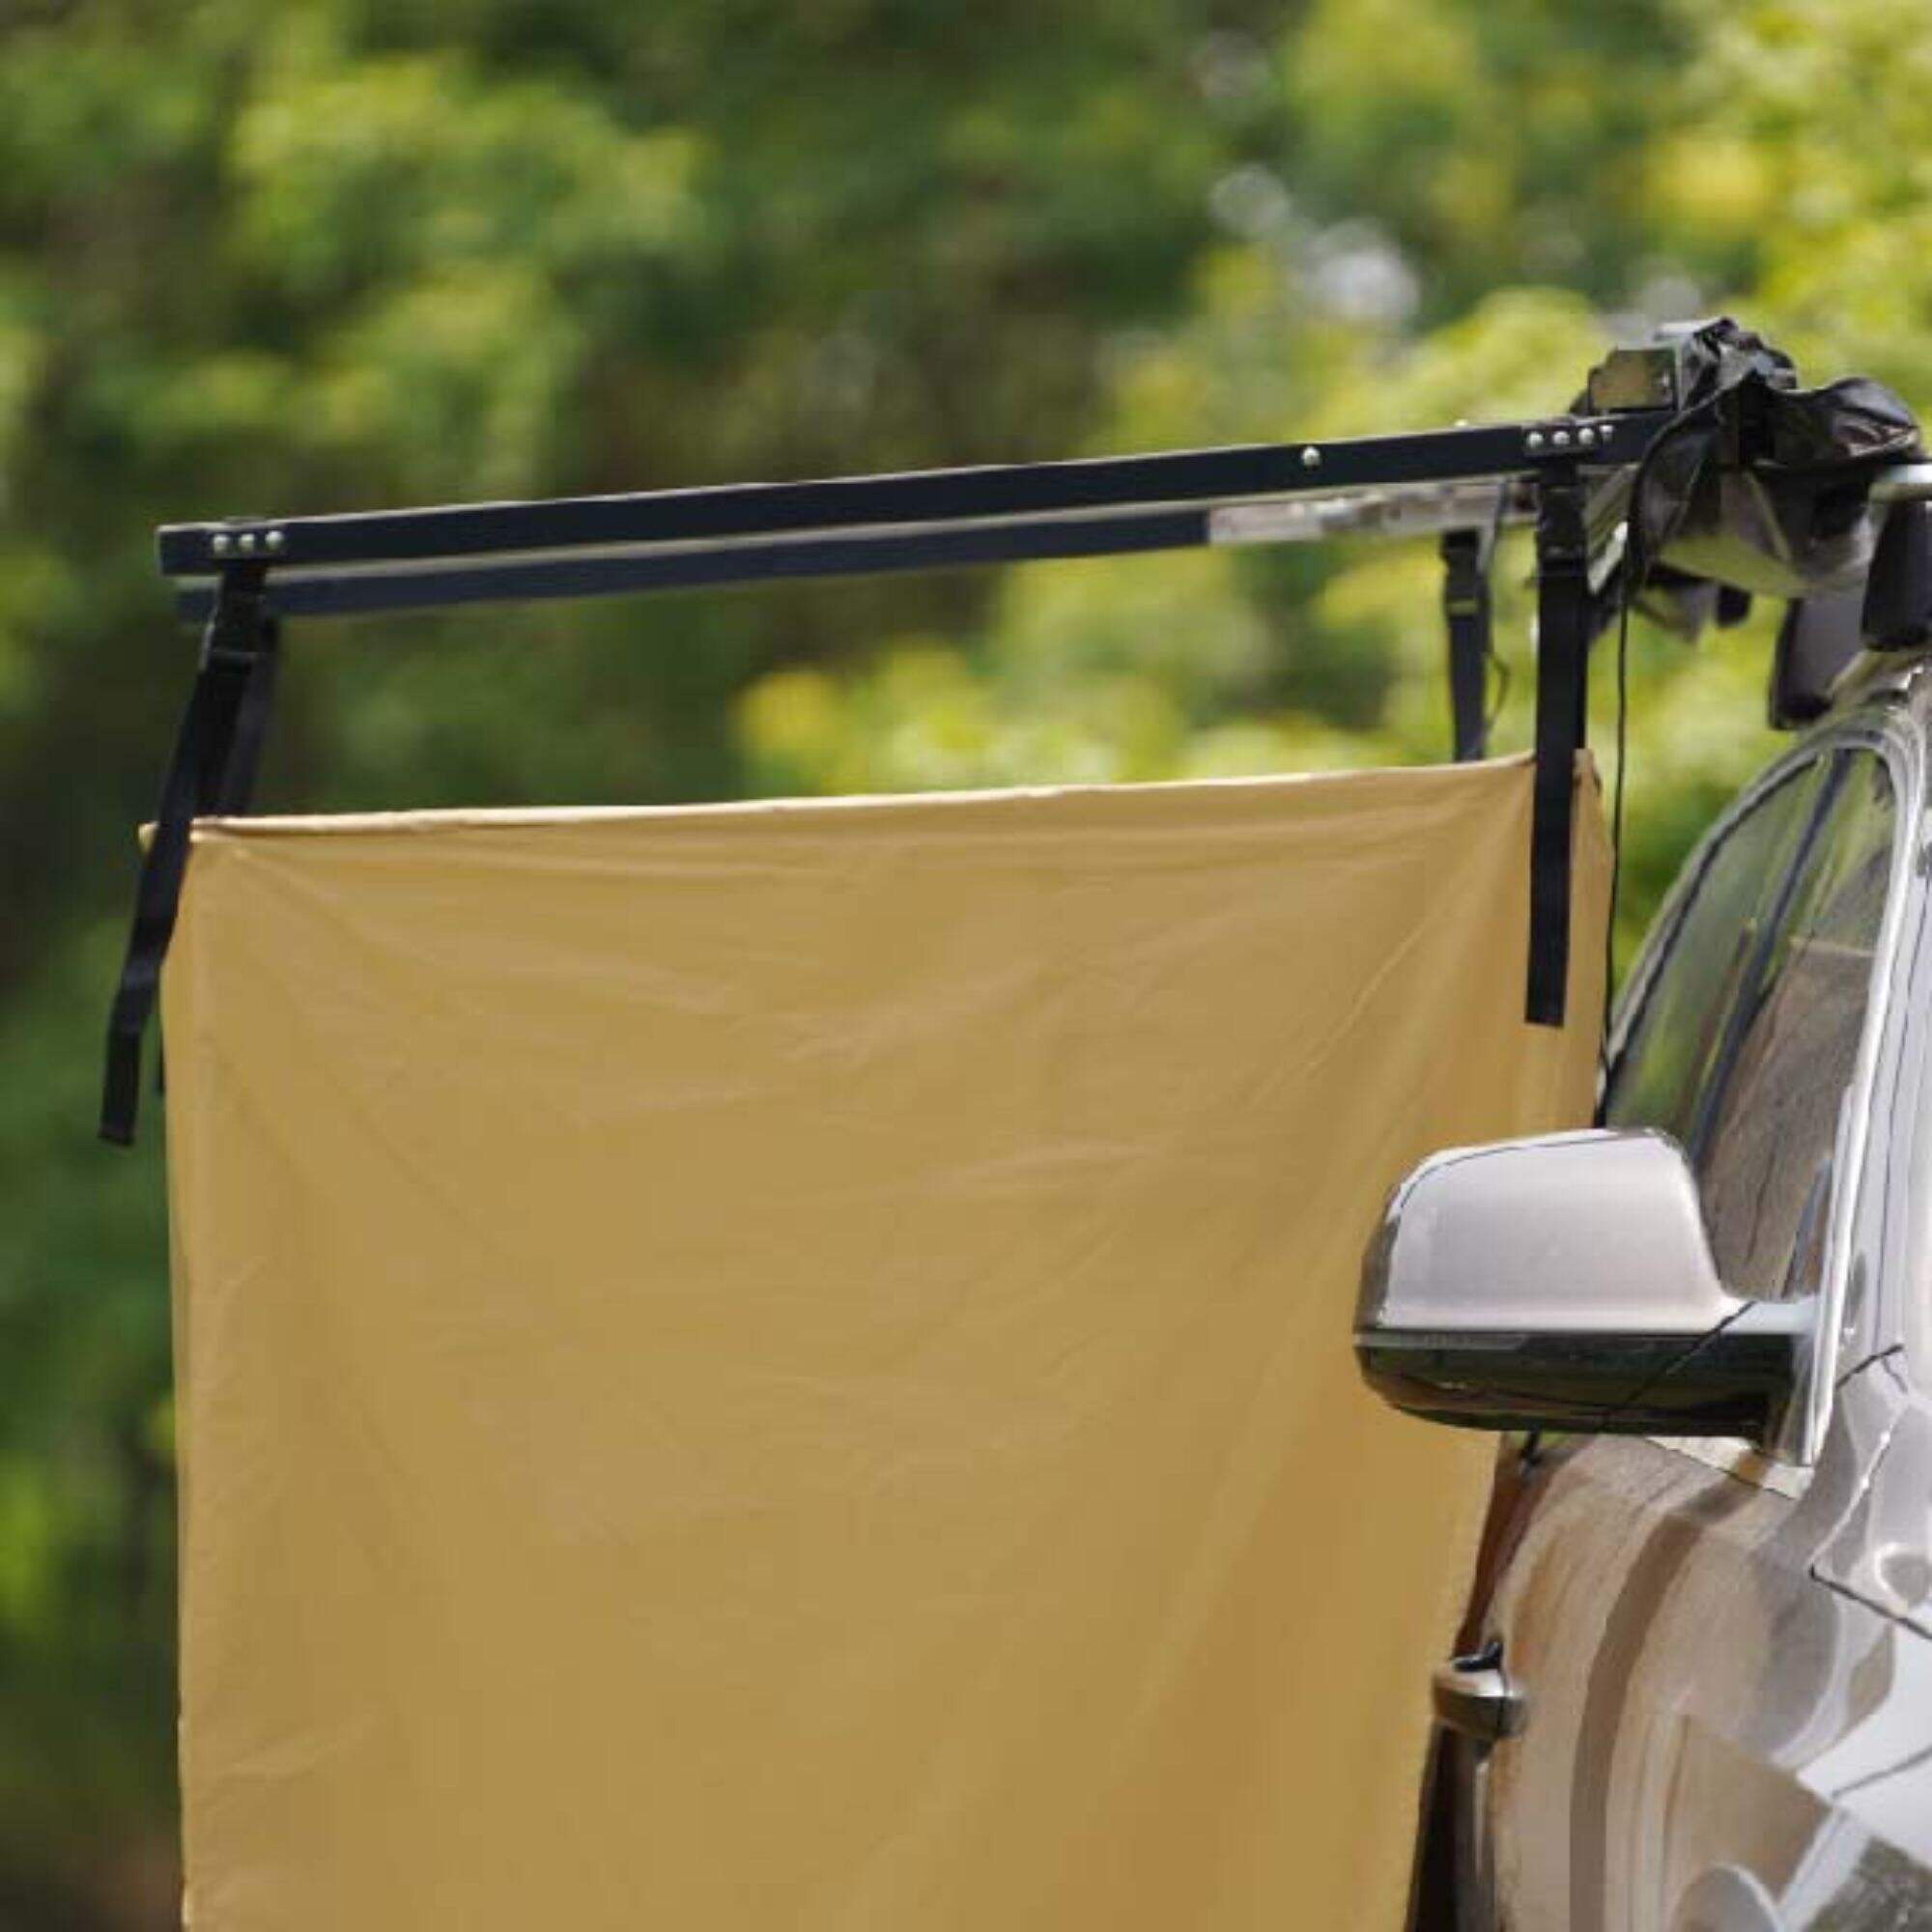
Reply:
x=336, y=253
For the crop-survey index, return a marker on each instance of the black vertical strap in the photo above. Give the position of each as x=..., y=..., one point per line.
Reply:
x=1465, y=606
x=236, y=786
x=233, y=682
x=226, y=786
x=1562, y=660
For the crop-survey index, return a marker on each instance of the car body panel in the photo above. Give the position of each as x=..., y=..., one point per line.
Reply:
x=1702, y=1698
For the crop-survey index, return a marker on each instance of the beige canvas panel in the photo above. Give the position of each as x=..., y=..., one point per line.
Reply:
x=787, y=1367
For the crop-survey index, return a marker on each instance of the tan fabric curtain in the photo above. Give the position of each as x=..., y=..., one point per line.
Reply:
x=787, y=1367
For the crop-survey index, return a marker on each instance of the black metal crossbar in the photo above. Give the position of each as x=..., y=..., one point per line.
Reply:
x=587, y=546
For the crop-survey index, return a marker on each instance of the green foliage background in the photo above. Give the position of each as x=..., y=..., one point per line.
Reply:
x=333, y=253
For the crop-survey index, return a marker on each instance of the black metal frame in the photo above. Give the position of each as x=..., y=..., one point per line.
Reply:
x=241, y=576
x=587, y=546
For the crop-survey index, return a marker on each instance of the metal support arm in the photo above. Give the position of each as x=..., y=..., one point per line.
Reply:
x=588, y=546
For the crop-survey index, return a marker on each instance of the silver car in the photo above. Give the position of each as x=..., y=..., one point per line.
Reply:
x=1694, y=1690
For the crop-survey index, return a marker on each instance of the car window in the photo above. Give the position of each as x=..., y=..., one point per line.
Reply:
x=1769, y=1121
x=1760, y=1117
x=1668, y=1052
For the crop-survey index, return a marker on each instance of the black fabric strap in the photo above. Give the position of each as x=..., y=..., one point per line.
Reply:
x=212, y=770
x=1465, y=606
x=235, y=789
x=1562, y=661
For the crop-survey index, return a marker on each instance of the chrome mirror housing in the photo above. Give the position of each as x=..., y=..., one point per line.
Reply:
x=1566, y=1282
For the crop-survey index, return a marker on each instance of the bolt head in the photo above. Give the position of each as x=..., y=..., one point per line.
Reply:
x=1586, y=437
x=221, y=543
x=1534, y=441
x=1561, y=439
x=245, y=543
x=1311, y=458
x=276, y=540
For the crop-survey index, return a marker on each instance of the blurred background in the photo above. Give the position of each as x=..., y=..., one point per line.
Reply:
x=329, y=254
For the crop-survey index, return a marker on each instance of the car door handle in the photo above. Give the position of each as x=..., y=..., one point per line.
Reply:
x=1475, y=1697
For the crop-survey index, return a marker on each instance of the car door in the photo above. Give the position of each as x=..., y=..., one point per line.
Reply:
x=1684, y=1667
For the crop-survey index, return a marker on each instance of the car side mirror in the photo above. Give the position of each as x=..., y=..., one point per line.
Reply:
x=1567, y=1282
